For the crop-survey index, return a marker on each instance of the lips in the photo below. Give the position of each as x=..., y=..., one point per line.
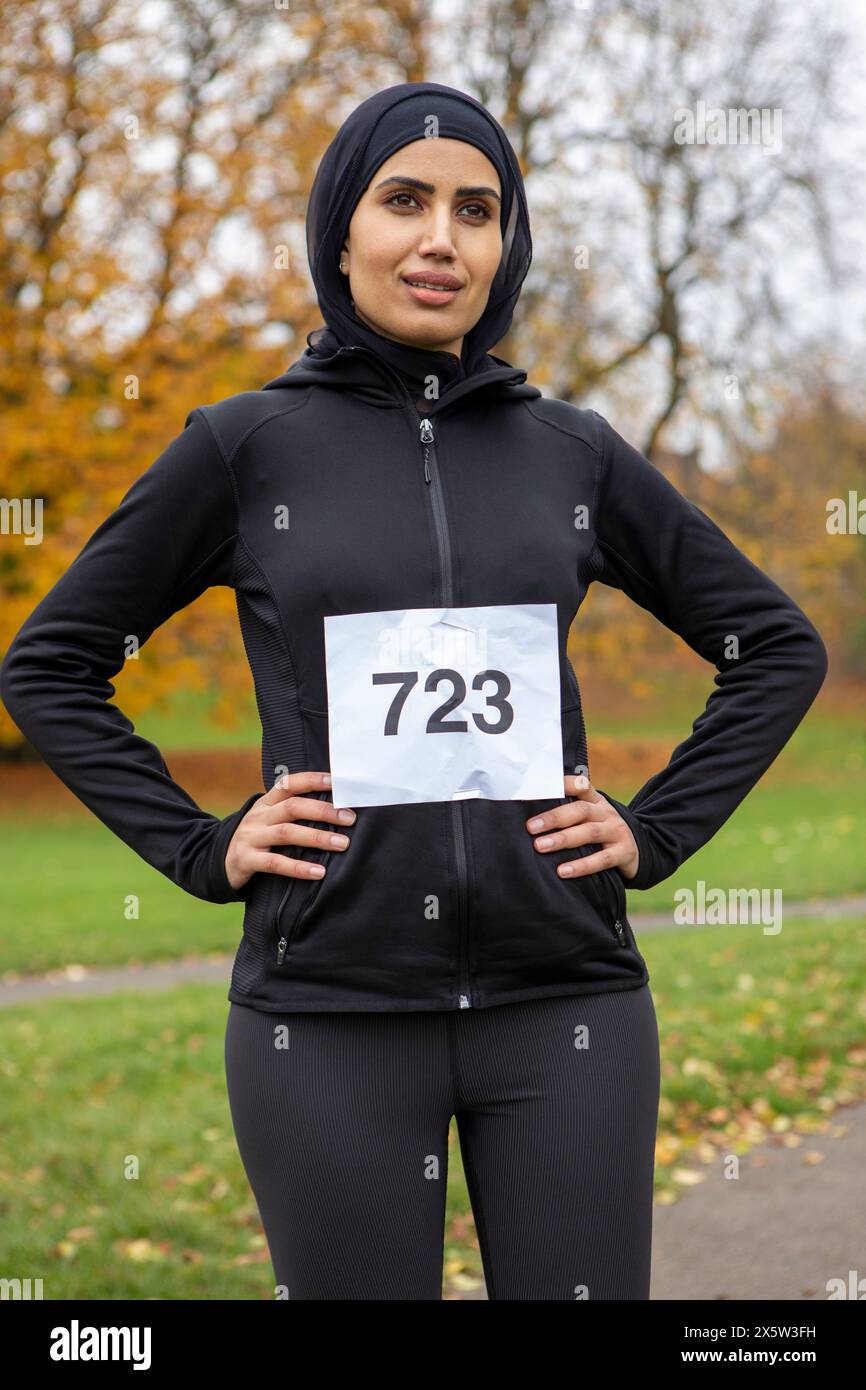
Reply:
x=431, y=291
x=434, y=280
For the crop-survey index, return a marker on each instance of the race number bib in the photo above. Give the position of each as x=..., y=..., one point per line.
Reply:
x=432, y=704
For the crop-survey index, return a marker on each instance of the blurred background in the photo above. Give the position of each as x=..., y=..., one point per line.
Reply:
x=695, y=184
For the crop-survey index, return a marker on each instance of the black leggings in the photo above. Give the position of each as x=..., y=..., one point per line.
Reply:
x=342, y=1124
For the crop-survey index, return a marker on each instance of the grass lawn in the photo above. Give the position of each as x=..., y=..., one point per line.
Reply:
x=759, y=1035
x=186, y=722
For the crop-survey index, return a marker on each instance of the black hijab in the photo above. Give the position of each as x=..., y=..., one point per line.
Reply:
x=381, y=125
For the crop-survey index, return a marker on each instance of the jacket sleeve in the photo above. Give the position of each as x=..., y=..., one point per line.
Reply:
x=171, y=537
x=669, y=557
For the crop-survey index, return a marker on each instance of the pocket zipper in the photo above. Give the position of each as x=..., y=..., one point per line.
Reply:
x=596, y=887
x=617, y=924
x=284, y=941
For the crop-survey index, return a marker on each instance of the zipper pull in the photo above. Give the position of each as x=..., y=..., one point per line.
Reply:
x=281, y=950
x=426, y=438
x=617, y=926
x=465, y=1001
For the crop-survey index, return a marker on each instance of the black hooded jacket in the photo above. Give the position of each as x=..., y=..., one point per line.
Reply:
x=439, y=905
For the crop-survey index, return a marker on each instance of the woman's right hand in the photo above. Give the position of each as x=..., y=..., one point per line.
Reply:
x=271, y=821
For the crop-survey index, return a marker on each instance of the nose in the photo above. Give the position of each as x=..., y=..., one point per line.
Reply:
x=437, y=239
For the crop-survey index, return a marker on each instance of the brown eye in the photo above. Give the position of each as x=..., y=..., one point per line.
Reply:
x=482, y=207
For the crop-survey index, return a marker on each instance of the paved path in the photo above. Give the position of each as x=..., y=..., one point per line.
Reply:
x=79, y=980
x=793, y=1219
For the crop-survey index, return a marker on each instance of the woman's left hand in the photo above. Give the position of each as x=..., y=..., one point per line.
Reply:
x=590, y=820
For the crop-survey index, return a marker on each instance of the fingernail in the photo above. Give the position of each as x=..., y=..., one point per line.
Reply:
x=317, y=870
x=346, y=816
x=537, y=824
x=545, y=842
x=340, y=840
x=326, y=779
x=566, y=871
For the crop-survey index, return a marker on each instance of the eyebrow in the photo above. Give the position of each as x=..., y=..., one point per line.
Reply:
x=461, y=192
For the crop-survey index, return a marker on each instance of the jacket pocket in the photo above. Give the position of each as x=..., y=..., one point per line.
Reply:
x=608, y=887
x=530, y=926
x=607, y=884
x=383, y=909
x=299, y=894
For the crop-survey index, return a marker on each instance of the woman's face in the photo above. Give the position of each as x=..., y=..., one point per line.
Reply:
x=402, y=231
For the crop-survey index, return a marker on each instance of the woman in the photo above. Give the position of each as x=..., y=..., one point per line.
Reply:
x=464, y=954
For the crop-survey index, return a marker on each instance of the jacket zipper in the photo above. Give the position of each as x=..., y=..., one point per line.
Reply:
x=427, y=440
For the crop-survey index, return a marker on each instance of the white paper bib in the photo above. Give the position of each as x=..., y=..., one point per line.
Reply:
x=433, y=704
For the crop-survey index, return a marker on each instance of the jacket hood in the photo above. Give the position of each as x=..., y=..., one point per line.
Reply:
x=363, y=372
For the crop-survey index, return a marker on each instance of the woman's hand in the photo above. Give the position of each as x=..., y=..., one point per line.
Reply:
x=271, y=821
x=591, y=820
